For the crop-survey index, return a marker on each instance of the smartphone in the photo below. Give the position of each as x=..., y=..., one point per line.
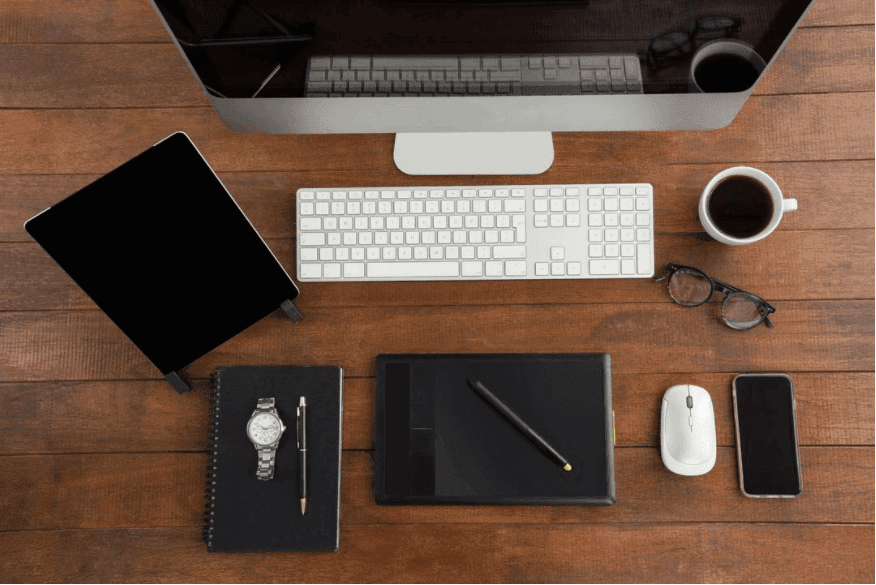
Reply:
x=766, y=436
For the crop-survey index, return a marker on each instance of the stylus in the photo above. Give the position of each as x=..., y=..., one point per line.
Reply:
x=302, y=453
x=518, y=423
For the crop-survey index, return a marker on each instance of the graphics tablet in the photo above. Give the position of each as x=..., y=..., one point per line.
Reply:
x=439, y=442
x=163, y=249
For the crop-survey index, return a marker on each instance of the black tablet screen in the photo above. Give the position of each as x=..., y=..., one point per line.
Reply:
x=163, y=249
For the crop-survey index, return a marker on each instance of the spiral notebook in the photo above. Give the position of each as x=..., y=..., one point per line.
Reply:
x=248, y=514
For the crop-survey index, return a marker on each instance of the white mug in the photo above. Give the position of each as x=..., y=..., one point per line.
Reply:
x=780, y=205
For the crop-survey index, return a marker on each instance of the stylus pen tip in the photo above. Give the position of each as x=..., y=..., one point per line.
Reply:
x=568, y=467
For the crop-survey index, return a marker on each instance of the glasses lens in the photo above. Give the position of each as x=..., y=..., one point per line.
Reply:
x=689, y=288
x=741, y=311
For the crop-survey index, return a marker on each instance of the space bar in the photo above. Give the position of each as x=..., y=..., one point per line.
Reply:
x=412, y=269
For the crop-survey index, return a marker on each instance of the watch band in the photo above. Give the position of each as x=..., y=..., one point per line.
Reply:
x=265, y=469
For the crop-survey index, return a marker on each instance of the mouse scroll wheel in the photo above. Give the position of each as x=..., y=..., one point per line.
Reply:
x=690, y=401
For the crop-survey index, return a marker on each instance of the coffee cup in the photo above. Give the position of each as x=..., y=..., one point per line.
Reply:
x=724, y=66
x=742, y=205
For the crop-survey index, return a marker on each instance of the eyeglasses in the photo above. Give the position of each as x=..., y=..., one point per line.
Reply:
x=691, y=287
x=676, y=45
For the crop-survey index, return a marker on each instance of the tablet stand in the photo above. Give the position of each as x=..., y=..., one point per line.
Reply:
x=181, y=386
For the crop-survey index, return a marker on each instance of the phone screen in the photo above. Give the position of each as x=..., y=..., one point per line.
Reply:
x=767, y=438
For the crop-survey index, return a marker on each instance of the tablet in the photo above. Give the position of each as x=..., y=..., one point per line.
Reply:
x=439, y=442
x=162, y=248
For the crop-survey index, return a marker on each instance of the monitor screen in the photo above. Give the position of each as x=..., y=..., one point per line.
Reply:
x=263, y=47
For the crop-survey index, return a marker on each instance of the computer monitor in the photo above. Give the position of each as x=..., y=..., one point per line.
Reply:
x=694, y=63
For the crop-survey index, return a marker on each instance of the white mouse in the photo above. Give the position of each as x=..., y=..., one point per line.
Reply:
x=687, y=430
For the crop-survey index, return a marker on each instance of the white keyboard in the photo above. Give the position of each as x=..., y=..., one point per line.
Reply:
x=475, y=233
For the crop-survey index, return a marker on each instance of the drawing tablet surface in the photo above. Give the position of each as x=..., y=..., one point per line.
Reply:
x=163, y=249
x=438, y=442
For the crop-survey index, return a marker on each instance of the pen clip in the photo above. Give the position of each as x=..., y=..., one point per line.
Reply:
x=298, y=427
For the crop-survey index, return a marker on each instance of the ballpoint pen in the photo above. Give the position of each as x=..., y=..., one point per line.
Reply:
x=518, y=423
x=302, y=453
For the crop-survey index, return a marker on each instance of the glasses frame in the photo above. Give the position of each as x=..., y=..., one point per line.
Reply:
x=728, y=290
x=686, y=41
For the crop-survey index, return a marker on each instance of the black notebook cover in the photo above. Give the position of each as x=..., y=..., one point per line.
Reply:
x=438, y=442
x=248, y=514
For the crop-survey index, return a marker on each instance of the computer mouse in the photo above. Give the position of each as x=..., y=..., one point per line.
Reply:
x=687, y=430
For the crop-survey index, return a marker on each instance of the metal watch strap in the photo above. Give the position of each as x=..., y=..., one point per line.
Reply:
x=265, y=469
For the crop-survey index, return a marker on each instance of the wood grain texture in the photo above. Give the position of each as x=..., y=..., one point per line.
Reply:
x=90, y=21
x=463, y=553
x=147, y=416
x=641, y=337
x=835, y=59
x=768, y=129
x=268, y=198
x=102, y=464
x=135, y=21
x=34, y=282
x=805, y=65
x=136, y=416
x=51, y=492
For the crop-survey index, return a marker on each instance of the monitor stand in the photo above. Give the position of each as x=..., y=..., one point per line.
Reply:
x=474, y=153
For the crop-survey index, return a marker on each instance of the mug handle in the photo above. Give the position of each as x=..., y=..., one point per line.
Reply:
x=789, y=205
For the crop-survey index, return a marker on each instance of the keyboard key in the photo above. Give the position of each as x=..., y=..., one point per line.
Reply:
x=596, y=251
x=556, y=220
x=643, y=218
x=642, y=204
x=515, y=268
x=541, y=269
x=643, y=259
x=413, y=269
x=573, y=220
x=472, y=268
x=604, y=267
x=354, y=270
x=628, y=266
x=643, y=235
x=311, y=224
x=310, y=271
x=514, y=205
x=494, y=268
x=509, y=252
x=312, y=239
x=573, y=268
x=332, y=270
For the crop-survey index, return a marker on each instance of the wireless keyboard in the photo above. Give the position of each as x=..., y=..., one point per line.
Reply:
x=475, y=233
x=437, y=75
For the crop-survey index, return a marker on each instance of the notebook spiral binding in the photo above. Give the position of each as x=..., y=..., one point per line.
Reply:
x=212, y=471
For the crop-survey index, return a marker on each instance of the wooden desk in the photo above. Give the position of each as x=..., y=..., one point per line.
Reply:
x=102, y=465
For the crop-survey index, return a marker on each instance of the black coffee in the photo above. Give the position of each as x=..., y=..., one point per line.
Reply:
x=740, y=207
x=725, y=73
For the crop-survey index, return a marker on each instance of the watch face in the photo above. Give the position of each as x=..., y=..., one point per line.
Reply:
x=264, y=428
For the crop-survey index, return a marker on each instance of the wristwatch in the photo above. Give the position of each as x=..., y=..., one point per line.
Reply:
x=264, y=430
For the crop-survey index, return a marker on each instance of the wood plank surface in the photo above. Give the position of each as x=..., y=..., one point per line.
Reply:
x=268, y=198
x=147, y=416
x=34, y=282
x=642, y=337
x=118, y=490
x=817, y=60
x=135, y=21
x=102, y=464
x=681, y=553
x=768, y=129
